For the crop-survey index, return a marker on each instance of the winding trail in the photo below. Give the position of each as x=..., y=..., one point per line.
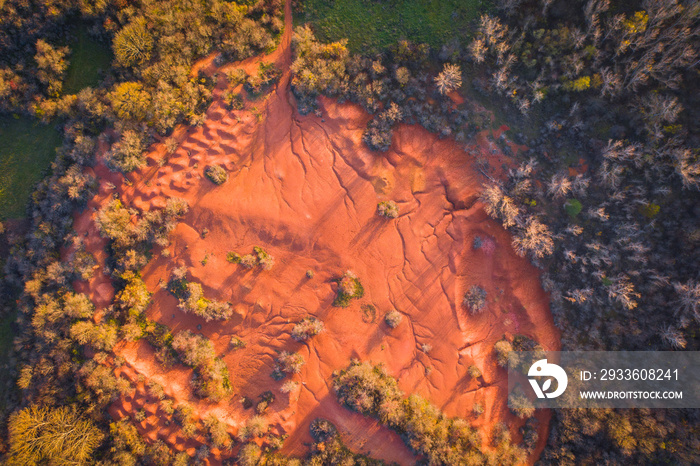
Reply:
x=306, y=188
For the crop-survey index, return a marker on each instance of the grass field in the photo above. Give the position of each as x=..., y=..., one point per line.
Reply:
x=372, y=25
x=27, y=148
x=87, y=58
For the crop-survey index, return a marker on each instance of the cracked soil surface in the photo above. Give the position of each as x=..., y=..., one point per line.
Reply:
x=306, y=189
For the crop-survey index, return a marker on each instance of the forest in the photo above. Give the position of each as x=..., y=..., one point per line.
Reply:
x=613, y=84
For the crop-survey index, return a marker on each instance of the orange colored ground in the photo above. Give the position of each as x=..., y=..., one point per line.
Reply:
x=306, y=189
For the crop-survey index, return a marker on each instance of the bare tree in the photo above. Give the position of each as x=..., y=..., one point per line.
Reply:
x=449, y=79
x=673, y=337
x=559, y=186
x=478, y=49
x=688, y=167
x=535, y=238
x=622, y=290
x=688, y=298
x=658, y=110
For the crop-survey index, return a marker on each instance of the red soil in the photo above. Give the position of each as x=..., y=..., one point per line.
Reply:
x=306, y=189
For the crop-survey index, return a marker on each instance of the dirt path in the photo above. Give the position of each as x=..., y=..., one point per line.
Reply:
x=306, y=189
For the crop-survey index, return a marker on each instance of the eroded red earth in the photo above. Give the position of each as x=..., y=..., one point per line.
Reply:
x=306, y=189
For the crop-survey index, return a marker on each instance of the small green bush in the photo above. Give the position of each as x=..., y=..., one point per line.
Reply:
x=267, y=75
x=474, y=372
x=232, y=100
x=573, y=207
x=233, y=257
x=216, y=174
x=388, y=209
x=265, y=260
x=349, y=287
x=236, y=76
x=322, y=430
x=237, y=343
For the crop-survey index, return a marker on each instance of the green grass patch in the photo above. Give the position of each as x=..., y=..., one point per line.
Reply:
x=573, y=207
x=88, y=57
x=373, y=25
x=27, y=148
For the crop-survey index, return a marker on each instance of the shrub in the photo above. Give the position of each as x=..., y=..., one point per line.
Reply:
x=217, y=432
x=393, y=318
x=232, y=100
x=475, y=299
x=267, y=74
x=236, y=76
x=287, y=363
x=289, y=386
x=477, y=243
x=307, y=328
x=256, y=426
x=194, y=350
x=216, y=174
x=156, y=390
x=504, y=353
x=249, y=455
x=127, y=154
x=237, y=343
x=427, y=431
x=322, y=430
x=349, y=287
x=573, y=207
x=520, y=404
x=266, y=399
x=310, y=273
x=211, y=380
x=134, y=297
x=248, y=261
x=388, y=209
x=363, y=388
x=233, y=257
x=140, y=415
x=474, y=372
x=264, y=259
x=192, y=300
